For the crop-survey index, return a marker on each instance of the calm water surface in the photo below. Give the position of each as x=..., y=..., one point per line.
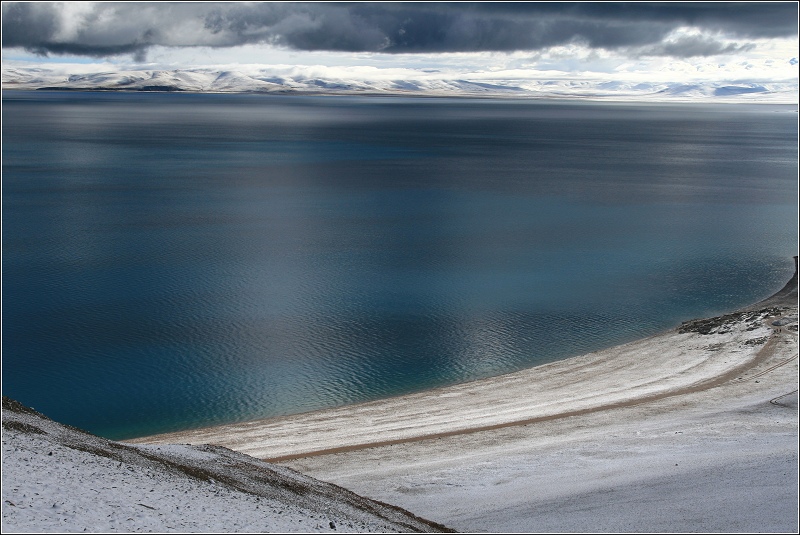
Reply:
x=172, y=261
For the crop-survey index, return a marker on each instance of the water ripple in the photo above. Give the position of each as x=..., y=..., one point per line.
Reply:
x=150, y=287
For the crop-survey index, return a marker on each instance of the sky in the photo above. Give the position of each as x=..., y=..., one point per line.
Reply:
x=637, y=41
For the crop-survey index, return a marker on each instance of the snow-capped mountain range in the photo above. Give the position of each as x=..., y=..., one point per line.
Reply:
x=281, y=81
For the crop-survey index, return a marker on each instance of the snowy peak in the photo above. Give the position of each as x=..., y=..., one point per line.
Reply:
x=308, y=81
x=237, y=82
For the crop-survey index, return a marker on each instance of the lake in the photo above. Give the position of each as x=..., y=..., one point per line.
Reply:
x=180, y=260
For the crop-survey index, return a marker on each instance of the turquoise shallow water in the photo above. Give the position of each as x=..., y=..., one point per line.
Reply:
x=172, y=261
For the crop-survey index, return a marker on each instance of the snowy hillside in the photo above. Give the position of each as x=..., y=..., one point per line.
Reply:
x=60, y=479
x=289, y=80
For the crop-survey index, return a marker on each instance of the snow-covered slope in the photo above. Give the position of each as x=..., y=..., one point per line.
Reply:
x=60, y=479
x=287, y=80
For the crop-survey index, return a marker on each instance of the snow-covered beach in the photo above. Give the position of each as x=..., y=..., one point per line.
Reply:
x=691, y=430
x=722, y=459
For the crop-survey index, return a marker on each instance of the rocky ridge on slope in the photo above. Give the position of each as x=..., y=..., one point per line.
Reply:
x=60, y=478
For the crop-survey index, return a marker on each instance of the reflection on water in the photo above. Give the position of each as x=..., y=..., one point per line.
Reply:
x=182, y=260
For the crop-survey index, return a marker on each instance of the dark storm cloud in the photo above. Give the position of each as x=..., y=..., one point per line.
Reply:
x=693, y=46
x=118, y=28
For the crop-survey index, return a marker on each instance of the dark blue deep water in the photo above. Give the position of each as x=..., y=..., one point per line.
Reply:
x=175, y=260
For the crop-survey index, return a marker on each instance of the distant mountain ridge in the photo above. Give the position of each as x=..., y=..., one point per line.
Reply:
x=207, y=80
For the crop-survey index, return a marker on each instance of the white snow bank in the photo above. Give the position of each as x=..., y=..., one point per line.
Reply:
x=59, y=479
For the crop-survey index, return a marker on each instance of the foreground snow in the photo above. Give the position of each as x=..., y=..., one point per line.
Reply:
x=719, y=458
x=59, y=479
x=724, y=464
x=692, y=430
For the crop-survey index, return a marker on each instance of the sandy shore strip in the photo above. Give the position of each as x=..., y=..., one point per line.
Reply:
x=666, y=365
x=691, y=430
x=719, y=456
x=723, y=460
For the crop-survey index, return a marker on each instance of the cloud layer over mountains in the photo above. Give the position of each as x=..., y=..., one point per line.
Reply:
x=638, y=29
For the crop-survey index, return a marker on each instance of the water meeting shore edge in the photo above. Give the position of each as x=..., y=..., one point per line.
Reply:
x=716, y=455
x=691, y=430
x=699, y=355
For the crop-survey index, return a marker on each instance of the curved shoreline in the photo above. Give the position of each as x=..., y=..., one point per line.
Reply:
x=673, y=363
x=710, y=383
x=786, y=296
x=715, y=460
